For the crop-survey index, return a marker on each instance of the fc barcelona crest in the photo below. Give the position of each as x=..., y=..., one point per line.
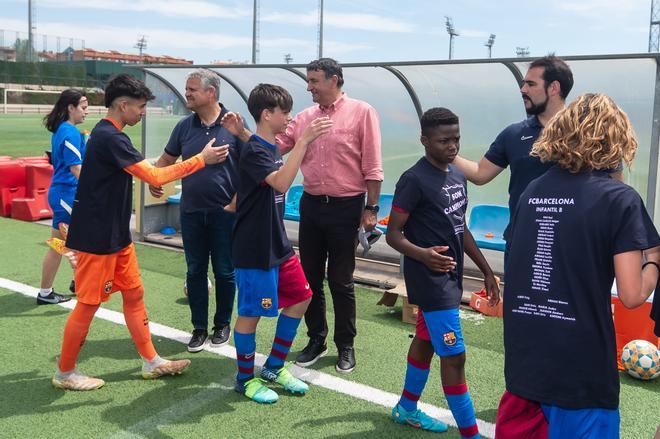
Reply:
x=266, y=303
x=107, y=287
x=449, y=338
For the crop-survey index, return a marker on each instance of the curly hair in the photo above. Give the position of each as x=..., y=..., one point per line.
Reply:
x=434, y=117
x=591, y=133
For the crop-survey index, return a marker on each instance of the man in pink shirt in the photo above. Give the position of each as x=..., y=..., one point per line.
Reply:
x=338, y=169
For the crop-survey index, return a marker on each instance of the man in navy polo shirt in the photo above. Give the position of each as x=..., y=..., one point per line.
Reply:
x=206, y=226
x=544, y=90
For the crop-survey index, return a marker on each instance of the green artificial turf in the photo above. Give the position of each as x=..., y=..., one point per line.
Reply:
x=200, y=403
x=24, y=135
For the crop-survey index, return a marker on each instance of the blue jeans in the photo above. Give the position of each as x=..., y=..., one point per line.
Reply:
x=205, y=234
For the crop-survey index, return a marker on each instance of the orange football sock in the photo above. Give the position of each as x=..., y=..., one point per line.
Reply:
x=135, y=315
x=75, y=332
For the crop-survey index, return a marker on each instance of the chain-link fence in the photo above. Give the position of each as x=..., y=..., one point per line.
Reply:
x=15, y=46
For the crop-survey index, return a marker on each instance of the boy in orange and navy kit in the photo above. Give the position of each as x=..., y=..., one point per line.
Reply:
x=99, y=232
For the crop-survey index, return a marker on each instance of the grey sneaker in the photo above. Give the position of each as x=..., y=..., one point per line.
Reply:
x=52, y=299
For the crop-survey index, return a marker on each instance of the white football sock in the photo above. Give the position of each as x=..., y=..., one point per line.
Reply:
x=43, y=292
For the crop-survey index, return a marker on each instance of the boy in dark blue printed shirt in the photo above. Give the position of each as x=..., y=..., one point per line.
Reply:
x=574, y=231
x=427, y=225
x=268, y=273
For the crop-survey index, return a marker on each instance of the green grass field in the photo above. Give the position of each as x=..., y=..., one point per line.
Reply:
x=24, y=135
x=201, y=403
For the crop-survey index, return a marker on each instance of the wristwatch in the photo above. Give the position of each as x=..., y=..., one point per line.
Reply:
x=375, y=208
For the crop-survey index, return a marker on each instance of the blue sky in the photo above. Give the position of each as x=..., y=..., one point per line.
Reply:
x=355, y=31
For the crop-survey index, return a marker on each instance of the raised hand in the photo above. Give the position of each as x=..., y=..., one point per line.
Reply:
x=233, y=122
x=317, y=127
x=214, y=154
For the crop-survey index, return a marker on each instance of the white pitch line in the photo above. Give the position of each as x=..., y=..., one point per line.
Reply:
x=182, y=408
x=321, y=379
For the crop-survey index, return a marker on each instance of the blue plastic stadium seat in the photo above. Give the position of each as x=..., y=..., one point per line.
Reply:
x=489, y=220
x=292, y=206
x=385, y=203
x=174, y=199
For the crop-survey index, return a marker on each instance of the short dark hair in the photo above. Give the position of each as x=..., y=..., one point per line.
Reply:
x=434, y=117
x=555, y=69
x=60, y=112
x=330, y=67
x=267, y=97
x=126, y=85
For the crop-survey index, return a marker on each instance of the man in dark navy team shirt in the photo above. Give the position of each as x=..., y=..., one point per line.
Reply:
x=544, y=90
x=206, y=226
x=268, y=273
x=427, y=225
x=573, y=230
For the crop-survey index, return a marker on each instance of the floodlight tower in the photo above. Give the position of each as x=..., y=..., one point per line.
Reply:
x=522, y=52
x=320, y=29
x=452, y=33
x=489, y=45
x=30, y=55
x=141, y=45
x=255, y=32
x=654, y=27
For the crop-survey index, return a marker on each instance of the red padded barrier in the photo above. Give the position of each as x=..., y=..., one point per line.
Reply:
x=7, y=194
x=12, y=184
x=31, y=209
x=38, y=177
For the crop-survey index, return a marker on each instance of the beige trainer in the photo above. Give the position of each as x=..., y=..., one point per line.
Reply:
x=168, y=367
x=77, y=381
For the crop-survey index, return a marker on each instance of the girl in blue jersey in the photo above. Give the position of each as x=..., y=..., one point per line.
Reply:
x=68, y=149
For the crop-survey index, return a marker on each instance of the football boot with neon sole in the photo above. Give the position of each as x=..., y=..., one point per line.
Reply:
x=286, y=379
x=256, y=390
x=418, y=419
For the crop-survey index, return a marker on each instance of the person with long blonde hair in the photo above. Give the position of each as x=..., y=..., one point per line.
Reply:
x=574, y=231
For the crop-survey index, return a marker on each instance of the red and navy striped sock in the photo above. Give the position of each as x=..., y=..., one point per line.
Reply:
x=460, y=404
x=286, y=330
x=245, y=346
x=417, y=374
